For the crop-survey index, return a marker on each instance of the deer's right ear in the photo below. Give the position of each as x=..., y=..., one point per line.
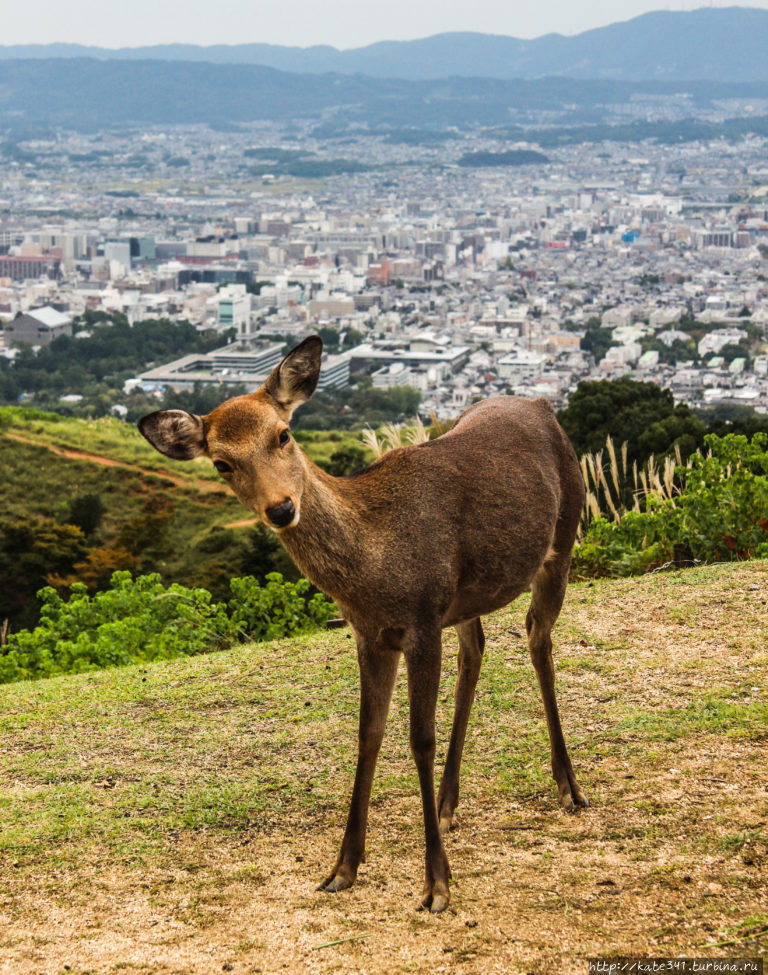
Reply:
x=175, y=433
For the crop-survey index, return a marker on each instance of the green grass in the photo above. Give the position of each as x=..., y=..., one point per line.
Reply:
x=122, y=442
x=211, y=786
x=740, y=719
x=302, y=695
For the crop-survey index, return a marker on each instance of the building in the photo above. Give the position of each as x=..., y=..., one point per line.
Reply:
x=35, y=266
x=38, y=327
x=521, y=364
x=234, y=365
x=234, y=309
x=419, y=354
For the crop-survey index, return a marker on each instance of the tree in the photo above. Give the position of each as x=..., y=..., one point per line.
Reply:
x=346, y=460
x=85, y=511
x=34, y=552
x=642, y=414
x=95, y=571
x=597, y=339
x=147, y=535
x=264, y=554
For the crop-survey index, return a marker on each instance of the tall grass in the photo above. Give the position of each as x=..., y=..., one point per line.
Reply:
x=391, y=436
x=612, y=488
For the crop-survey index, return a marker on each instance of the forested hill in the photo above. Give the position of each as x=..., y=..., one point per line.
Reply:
x=81, y=499
x=86, y=92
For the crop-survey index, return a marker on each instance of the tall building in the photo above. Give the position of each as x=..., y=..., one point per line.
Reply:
x=234, y=309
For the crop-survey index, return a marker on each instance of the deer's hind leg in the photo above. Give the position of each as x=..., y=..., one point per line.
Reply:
x=547, y=593
x=471, y=646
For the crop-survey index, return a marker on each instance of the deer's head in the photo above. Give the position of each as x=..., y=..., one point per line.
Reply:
x=248, y=438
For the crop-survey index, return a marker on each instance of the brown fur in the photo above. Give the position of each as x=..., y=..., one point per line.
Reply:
x=430, y=536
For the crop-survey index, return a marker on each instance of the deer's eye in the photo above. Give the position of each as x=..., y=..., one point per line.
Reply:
x=222, y=467
x=284, y=438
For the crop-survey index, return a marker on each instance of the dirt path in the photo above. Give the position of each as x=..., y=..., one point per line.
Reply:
x=202, y=487
x=245, y=523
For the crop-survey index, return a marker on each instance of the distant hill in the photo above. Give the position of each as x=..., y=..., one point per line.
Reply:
x=84, y=93
x=717, y=44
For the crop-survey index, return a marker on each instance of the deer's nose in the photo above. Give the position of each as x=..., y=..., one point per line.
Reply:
x=283, y=514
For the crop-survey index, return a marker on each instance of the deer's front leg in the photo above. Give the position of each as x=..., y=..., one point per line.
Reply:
x=423, y=662
x=378, y=669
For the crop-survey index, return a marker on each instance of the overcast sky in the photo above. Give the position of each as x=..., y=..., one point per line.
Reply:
x=342, y=23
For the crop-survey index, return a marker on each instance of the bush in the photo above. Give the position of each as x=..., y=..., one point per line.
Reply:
x=130, y=622
x=722, y=512
x=277, y=609
x=140, y=619
x=719, y=514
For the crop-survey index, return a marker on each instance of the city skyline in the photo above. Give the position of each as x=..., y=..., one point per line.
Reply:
x=341, y=24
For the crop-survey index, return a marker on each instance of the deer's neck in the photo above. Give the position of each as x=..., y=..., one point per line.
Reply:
x=327, y=544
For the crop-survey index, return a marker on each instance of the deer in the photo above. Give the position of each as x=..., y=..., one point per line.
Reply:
x=429, y=536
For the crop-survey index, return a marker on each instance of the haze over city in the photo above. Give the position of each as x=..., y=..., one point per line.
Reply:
x=341, y=23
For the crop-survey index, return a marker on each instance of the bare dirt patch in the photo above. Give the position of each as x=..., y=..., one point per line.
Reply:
x=176, y=818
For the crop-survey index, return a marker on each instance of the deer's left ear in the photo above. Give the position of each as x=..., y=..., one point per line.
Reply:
x=292, y=382
x=175, y=433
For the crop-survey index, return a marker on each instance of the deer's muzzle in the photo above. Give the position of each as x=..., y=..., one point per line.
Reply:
x=282, y=515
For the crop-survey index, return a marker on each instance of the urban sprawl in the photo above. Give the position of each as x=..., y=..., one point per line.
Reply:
x=458, y=280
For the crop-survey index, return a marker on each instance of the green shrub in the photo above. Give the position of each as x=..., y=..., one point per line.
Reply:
x=722, y=512
x=276, y=609
x=140, y=619
x=132, y=621
x=719, y=514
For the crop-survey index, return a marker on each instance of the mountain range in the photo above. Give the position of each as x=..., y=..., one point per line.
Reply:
x=716, y=44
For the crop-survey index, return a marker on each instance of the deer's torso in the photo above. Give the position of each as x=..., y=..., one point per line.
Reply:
x=449, y=530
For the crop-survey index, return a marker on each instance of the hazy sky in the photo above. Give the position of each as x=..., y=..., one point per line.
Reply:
x=342, y=23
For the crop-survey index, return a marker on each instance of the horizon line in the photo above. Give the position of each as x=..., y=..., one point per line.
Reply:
x=710, y=5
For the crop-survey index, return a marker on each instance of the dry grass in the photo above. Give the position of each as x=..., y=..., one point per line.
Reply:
x=391, y=435
x=608, y=481
x=175, y=818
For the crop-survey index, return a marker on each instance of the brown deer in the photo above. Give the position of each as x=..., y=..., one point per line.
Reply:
x=429, y=536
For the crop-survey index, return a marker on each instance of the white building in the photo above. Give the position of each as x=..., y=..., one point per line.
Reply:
x=234, y=309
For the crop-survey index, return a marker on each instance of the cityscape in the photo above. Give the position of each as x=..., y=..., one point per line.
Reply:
x=451, y=264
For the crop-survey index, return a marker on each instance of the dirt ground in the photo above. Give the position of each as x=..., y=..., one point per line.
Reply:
x=662, y=686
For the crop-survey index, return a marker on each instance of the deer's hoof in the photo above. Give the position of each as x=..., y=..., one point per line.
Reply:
x=446, y=822
x=435, y=901
x=572, y=799
x=439, y=903
x=335, y=883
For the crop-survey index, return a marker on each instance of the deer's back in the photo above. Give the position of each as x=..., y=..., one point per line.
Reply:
x=467, y=519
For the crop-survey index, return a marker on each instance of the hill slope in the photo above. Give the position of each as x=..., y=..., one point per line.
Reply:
x=203, y=535
x=718, y=44
x=85, y=93
x=177, y=817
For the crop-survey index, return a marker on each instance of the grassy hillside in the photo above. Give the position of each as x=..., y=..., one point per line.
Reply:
x=177, y=817
x=50, y=460
x=112, y=438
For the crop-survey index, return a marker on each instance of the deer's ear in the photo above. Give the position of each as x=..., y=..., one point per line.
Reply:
x=175, y=433
x=292, y=382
